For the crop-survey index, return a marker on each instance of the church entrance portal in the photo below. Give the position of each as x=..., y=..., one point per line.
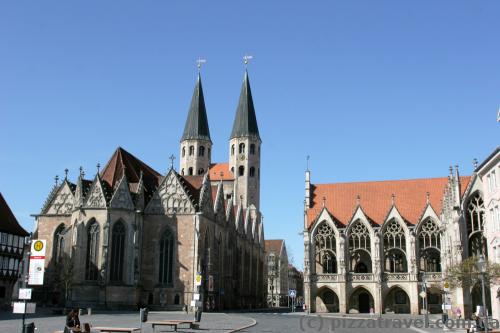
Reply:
x=361, y=301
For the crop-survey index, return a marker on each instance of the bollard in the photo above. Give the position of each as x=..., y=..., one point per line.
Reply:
x=89, y=311
x=29, y=328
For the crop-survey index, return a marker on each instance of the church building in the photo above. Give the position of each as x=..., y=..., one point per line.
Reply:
x=132, y=236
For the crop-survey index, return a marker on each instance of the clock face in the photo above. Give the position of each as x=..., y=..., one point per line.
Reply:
x=242, y=157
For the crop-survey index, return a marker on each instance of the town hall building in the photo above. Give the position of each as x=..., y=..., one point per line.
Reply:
x=131, y=236
x=376, y=246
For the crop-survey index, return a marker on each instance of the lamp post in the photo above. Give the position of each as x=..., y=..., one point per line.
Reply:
x=481, y=266
x=272, y=274
x=424, y=300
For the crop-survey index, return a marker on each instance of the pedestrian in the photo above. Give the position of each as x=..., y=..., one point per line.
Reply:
x=186, y=308
x=458, y=312
x=72, y=321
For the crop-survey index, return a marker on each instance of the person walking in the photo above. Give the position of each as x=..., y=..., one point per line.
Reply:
x=72, y=321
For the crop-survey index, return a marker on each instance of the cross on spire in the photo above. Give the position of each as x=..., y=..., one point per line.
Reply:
x=172, y=159
x=56, y=178
x=98, y=166
x=474, y=162
x=66, y=174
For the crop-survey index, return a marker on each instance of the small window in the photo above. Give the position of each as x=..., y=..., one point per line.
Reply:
x=182, y=172
x=232, y=150
x=209, y=153
x=200, y=171
x=252, y=172
x=252, y=149
x=241, y=170
x=190, y=171
x=201, y=151
x=191, y=150
x=242, y=148
x=183, y=151
x=232, y=170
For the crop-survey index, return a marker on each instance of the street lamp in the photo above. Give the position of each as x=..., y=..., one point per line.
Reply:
x=424, y=300
x=481, y=266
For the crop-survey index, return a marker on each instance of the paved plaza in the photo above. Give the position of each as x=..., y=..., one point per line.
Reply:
x=211, y=322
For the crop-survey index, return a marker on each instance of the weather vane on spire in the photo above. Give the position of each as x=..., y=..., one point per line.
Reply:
x=200, y=62
x=247, y=58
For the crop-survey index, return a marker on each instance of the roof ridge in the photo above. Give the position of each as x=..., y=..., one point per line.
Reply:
x=383, y=181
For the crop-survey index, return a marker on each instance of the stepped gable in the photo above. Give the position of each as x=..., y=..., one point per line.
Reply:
x=376, y=198
x=8, y=222
x=122, y=162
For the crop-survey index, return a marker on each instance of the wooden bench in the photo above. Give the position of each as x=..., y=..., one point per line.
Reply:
x=173, y=323
x=116, y=329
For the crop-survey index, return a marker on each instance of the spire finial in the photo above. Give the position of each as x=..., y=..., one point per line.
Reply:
x=393, y=198
x=98, y=166
x=474, y=162
x=172, y=159
x=221, y=174
x=246, y=59
x=451, y=170
x=307, y=162
x=56, y=178
x=427, y=196
x=199, y=63
x=358, y=200
x=324, y=201
x=66, y=174
x=81, y=171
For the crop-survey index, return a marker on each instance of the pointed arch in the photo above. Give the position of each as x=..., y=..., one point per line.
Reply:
x=166, y=262
x=394, y=235
x=327, y=300
x=359, y=240
x=58, y=248
x=474, y=217
x=118, y=236
x=360, y=300
x=91, y=265
x=429, y=246
x=396, y=300
x=325, y=248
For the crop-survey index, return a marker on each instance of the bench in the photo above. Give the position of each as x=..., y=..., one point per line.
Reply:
x=173, y=323
x=116, y=329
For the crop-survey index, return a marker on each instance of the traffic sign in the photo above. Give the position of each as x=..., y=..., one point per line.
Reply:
x=292, y=293
x=423, y=294
x=198, y=279
x=25, y=293
x=37, y=262
x=446, y=286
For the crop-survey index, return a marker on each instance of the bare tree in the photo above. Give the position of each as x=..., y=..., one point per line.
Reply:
x=466, y=274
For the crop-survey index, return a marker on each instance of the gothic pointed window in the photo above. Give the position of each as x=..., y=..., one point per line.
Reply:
x=91, y=266
x=201, y=151
x=190, y=171
x=58, y=243
x=325, y=249
x=252, y=149
x=191, y=150
x=183, y=151
x=474, y=216
x=252, y=172
x=394, y=248
x=232, y=150
x=242, y=148
x=182, y=172
x=117, y=252
x=429, y=247
x=166, y=258
x=359, y=248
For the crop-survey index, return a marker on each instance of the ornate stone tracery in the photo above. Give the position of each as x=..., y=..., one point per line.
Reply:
x=325, y=249
x=474, y=216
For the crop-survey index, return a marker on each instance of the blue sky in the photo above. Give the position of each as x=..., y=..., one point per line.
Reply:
x=371, y=90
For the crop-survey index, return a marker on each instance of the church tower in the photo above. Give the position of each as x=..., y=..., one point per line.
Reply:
x=244, y=150
x=196, y=145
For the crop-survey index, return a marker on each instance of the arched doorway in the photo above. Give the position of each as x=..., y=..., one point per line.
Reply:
x=361, y=301
x=327, y=301
x=477, y=298
x=396, y=301
x=434, y=299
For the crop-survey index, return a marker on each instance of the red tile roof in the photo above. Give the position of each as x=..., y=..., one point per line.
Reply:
x=193, y=185
x=217, y=168
x=122, y=161
x=273, y=245
x=376, y=198
x=8, y=222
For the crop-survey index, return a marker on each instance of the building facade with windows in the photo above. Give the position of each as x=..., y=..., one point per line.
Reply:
x=277, y=272
x=489, y=174
x=131, y=236
x=12, y=240
x=368, y=246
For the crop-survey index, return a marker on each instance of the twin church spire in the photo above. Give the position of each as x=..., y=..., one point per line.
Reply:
x=244, y=144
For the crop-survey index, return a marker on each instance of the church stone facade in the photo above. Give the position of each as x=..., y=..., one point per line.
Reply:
x=131, y=236
x=368, y=246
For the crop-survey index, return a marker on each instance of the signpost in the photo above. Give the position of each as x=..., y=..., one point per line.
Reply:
x=292, y=293
x=37, y=262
